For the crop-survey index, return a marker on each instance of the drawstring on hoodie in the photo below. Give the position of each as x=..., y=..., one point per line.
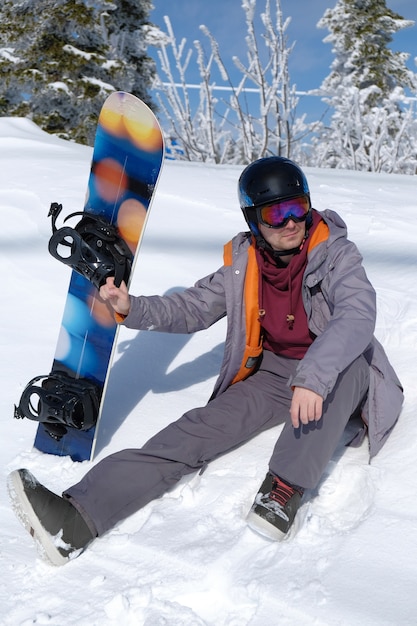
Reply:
x=290, y=315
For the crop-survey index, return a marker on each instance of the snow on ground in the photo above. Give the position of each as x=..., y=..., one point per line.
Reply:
x=188, y=559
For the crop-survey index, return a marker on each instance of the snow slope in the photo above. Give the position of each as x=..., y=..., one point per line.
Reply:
x=188, y=559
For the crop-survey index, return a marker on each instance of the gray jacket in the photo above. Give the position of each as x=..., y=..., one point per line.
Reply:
x=341, y=310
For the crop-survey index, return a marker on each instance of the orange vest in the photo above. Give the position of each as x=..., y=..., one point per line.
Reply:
x=253, y=347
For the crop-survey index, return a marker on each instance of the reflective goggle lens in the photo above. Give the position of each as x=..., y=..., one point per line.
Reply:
x=278, y=214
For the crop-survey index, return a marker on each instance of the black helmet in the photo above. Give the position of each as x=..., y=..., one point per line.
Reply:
x=269, y=180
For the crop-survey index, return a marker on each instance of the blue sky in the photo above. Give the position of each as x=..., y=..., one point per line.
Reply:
x=311, y=58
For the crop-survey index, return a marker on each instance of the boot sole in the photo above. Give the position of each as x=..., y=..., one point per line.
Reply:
x=25, y=513
x=262, y=527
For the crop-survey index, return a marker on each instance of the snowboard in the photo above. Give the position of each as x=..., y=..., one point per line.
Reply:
x=127, y=160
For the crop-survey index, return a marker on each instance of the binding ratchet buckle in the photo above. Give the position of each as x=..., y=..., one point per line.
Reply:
x=58, y=402
x=93, y=248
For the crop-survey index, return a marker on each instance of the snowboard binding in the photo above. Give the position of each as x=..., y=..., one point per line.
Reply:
x=96, y=250
x=58, y=402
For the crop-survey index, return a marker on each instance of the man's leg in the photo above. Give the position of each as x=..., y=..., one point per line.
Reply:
x=127, y=480
x=124, y=482
x=300, y=455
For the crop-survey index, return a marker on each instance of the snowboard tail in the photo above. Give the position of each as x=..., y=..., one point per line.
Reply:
x=127, y=159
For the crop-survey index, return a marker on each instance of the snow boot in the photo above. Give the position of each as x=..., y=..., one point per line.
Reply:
x=274, y=509
x=58, y=528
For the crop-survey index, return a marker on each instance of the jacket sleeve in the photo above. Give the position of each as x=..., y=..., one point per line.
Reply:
x=343, y=315
x=184, y=312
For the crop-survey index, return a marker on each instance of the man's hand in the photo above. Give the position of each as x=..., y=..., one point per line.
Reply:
x=306, y=406
x=117, y=297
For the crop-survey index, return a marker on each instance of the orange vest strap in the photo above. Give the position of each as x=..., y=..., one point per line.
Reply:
x=253, y=347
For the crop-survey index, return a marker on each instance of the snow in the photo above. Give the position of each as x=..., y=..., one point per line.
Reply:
x=188, y=559
x=59, y=86
x=73, y=50
x=7, y=53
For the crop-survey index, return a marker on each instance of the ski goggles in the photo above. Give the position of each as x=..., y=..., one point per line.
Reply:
x=278, y=214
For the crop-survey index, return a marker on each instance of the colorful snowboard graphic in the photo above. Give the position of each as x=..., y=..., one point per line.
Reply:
x=127, y=160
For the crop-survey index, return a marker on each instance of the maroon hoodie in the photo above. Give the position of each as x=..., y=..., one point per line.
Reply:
x=283, y=318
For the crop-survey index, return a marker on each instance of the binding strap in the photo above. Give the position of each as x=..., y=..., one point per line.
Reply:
x=59, y=401
x=93, y=248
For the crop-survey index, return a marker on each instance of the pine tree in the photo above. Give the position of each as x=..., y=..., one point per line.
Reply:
x=59, y=60
x=360, y=32
x=127, y=35
x=372, y=125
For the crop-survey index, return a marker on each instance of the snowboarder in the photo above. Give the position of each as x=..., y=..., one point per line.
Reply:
x=299, y=351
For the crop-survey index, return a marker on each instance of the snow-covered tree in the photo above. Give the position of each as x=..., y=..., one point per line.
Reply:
x=60, y=58
x=127, y=29
x=275, y=129
x=373, y=123
x=377, y=139
x=227, y=129
x=360, y=33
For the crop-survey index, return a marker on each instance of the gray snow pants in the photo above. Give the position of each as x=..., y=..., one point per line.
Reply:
x=124, y=482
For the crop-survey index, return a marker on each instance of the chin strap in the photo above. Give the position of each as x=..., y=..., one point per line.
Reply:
x=277, y=254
